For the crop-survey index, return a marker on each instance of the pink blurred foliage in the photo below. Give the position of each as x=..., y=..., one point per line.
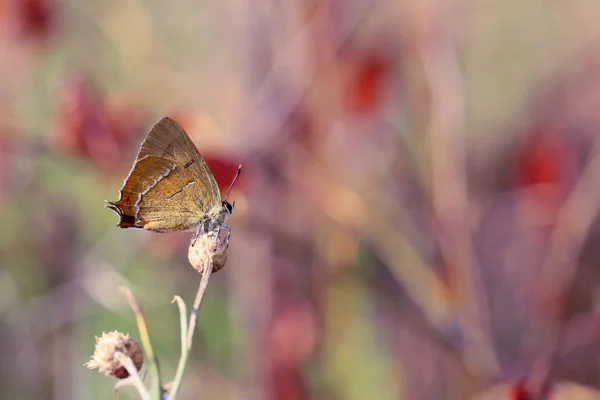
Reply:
x=4, y=168
x=291, y=339
x=26, y=19
x=293, y=335
x=3, y=10
x=88, y=126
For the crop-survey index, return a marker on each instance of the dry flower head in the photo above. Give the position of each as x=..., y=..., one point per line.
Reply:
x=110, y=349
x=208, y=248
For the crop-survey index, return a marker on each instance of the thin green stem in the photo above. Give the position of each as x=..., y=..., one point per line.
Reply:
x=146, y=343
x=187, y=330
x=184, y=349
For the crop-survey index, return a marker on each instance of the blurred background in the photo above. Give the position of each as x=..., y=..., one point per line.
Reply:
x=417, y=217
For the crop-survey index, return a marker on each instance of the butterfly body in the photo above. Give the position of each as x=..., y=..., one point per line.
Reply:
x=170, y=187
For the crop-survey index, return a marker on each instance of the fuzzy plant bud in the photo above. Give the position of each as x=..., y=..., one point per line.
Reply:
x=111, y=349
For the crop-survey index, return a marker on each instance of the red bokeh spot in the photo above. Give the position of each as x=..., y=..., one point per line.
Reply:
x=519, y=392
x=223, y=170
x=542, y=160
x=546, y=165
x=33, y=17
x=366, y=82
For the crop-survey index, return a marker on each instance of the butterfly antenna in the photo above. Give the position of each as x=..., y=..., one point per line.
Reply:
x=233, y=181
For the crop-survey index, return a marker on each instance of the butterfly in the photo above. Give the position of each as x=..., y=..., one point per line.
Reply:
x=170, y=187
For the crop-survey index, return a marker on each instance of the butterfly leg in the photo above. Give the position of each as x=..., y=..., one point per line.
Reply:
x=228, y=228
x=195, y=237
x=217, y=239
x=218, y=236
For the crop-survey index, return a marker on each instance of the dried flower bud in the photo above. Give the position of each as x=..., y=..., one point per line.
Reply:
x=207, y=248
x=110, y=348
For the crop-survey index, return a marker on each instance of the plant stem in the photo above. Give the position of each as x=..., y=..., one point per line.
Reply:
x=187, y=330
x=197, y=301
x=184, y=349
x=146, y=343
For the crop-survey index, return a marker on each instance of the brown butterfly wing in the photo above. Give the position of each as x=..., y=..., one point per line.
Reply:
x=170, y=186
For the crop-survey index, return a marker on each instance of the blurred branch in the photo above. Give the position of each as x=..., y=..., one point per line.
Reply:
x=409, y=269
x=573, y=223
x=267, y=131
x=146, y=342
x=572, y=227
x=449, y=196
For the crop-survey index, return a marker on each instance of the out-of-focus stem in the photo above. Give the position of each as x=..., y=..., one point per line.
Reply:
x=449, y=195
x=197, y=301
x=184, y=348
x=187, y=330
x=145, y=339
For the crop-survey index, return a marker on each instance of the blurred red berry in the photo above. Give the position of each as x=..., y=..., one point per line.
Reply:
x=542, y=160
x=365, y=86
x=546, y=164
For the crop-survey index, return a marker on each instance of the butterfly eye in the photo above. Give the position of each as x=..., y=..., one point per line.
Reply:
x=228, y=206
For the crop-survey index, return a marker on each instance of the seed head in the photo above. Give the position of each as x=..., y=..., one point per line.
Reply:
x=110, y=349
x=208, y=248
